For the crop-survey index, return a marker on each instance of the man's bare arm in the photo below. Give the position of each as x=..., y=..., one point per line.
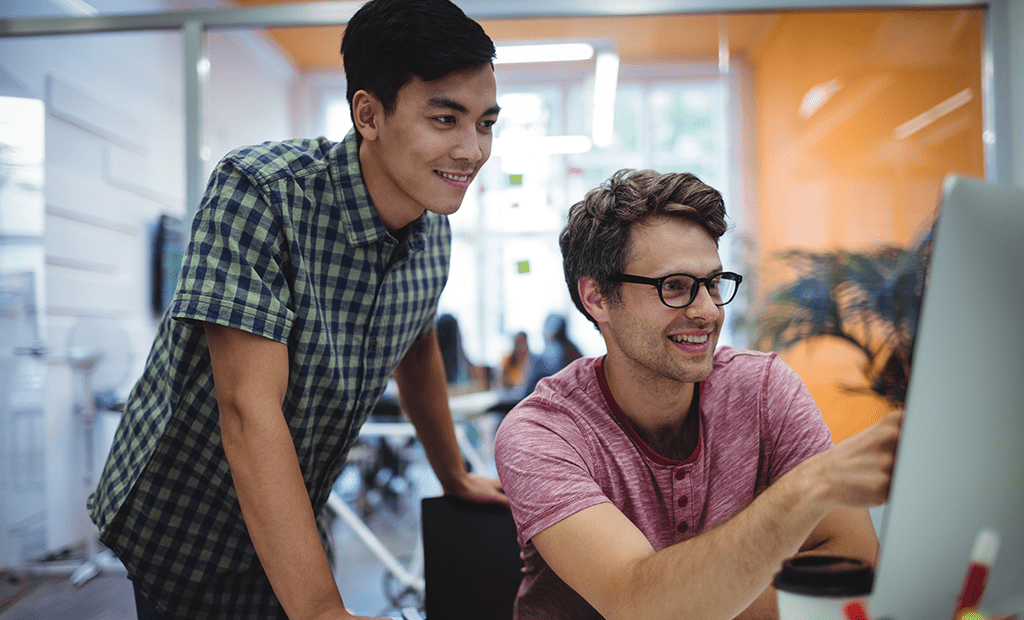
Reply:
x=716, y=575
x=846, y=532
x=424, y=392
x=251, y=376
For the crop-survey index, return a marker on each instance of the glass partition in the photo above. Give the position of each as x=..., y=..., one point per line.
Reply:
x=22, y=363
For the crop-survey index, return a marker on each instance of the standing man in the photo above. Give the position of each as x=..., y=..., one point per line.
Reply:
x=312, y=274
x=669, y=479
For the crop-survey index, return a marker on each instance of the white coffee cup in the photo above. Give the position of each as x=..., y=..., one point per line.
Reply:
x=819, y=587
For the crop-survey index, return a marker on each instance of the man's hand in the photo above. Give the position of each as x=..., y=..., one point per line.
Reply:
x=479, y=489
x=862, y=465
x=421, y=384
x=857, y=471
x=602, y=555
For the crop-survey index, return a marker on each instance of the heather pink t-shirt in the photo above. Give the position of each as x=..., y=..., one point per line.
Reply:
x=568, y=447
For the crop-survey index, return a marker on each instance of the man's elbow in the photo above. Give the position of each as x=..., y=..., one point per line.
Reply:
x=241, y=415
x=231, y=419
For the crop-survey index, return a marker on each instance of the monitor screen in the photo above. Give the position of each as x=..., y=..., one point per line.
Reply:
x=168, y=250
x=960, y=461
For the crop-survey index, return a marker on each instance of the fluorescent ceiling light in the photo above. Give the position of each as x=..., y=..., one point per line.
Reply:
x=723, y=45
x=543, y=52
x=606, y=79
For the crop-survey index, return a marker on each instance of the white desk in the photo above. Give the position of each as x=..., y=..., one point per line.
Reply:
x=398, y=430
x=473, y=404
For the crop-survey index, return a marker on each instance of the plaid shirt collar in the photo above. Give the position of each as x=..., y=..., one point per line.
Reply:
x=360, y=220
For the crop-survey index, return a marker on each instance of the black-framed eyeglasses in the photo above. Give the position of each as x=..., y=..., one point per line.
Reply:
x=678, y=290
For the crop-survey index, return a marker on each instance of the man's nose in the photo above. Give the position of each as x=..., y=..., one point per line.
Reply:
x=703, y=305
x=469, y=145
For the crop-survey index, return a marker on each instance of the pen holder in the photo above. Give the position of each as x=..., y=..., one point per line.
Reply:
x=819, y=587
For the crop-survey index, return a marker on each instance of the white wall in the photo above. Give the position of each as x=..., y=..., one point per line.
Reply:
x=248, y=98
x=114, y=164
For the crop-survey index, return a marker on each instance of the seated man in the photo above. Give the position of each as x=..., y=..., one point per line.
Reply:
x=667, y=479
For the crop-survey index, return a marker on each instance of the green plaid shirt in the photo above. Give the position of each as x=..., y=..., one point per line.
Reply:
x=286, y=245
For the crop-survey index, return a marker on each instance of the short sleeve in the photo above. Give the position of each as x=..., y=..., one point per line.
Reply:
x=541, y=456
x=796, y=430
x=235, y=271
x=428, y=326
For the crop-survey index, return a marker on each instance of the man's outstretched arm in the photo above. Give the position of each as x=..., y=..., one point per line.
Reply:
x=846, y=532
x=716, y=575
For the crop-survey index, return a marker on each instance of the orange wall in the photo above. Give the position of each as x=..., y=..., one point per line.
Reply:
x=843, y=177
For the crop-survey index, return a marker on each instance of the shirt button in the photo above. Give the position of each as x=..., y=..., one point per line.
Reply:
x=373, y=344
x=683, y=501
x=682, y=527
x=680, y=474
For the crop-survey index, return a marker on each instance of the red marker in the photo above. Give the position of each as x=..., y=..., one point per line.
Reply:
x=983, y=556
x=855, y=611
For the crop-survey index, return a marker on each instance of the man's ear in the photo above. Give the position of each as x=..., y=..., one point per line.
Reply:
x=366, y=113
x=593, y=300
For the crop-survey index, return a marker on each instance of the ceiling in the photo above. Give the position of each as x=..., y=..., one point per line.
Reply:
x=637, y=38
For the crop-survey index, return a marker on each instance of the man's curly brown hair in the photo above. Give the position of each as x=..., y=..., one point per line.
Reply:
x=596, y=241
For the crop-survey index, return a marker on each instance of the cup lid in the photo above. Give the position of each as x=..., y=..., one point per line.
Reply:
x=825, y=575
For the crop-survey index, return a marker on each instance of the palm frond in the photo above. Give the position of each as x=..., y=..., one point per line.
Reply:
x=870, y=299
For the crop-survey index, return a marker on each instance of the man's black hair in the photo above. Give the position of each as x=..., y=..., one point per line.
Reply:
x=387, y=42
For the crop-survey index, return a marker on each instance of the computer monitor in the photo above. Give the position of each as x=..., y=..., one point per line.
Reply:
x=960, y=461
x=168, y=251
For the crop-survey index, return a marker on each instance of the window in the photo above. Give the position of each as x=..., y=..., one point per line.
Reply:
x=337, y=118
x=507, y=268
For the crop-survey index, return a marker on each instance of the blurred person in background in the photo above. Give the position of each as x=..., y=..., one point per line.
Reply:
x=462, y=375
x=559, y=351
x=516, y=363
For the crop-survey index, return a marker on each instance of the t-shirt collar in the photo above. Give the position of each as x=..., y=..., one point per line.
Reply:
x=620, y=417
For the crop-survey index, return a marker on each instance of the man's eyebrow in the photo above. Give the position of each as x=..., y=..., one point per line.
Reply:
x=718, y=269
x=446, y=103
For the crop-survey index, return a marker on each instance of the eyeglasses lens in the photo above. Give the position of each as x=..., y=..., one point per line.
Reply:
x=680, y=290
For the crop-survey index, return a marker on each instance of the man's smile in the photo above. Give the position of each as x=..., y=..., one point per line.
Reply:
x=456, y=177
x=690, y=338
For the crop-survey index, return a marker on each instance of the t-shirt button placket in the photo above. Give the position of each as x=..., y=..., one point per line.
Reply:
x=683, y=526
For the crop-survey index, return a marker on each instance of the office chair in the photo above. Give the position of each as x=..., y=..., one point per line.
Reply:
x=471, y=563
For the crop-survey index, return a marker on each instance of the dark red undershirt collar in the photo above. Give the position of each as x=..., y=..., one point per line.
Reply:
x=620, y=417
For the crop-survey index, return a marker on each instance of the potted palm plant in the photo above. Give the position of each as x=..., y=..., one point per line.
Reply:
x=869, y=299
